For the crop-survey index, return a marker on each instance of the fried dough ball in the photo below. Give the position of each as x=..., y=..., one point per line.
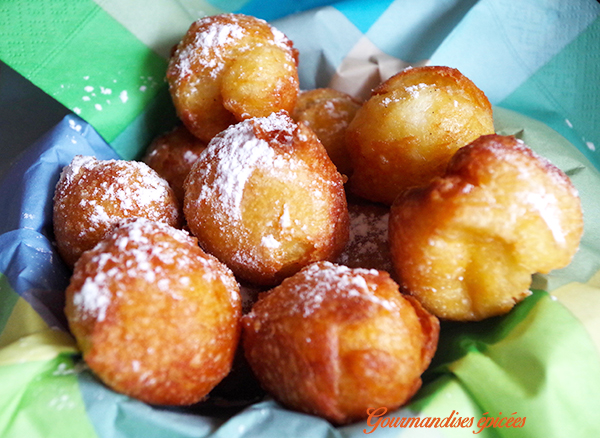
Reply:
x=155, y=317
x=328, y=113
x=92, y=195
x=333, y=341
x=266, y=200
x=467, y=244
x=172, y=156
x=228, y=68
x=410, y=127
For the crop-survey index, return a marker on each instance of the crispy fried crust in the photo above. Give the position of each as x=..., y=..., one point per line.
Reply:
x=155, y=317
x=333, y=341
x=266, y=200
x=172, y=156
x=328, y=113
x=92, y=195
x=408, y=130
x=228, y=68
x=467, y=244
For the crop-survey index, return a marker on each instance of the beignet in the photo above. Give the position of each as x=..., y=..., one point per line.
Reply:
x=467, y=244
x=328, y=113
x=266, y=200
x=334, y=341
x=228, y=68
x=410, y=127
x=172, y=156
x=155, y=317
x=92, y=195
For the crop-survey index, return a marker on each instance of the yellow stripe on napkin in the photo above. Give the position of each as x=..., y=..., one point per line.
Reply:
x=26, y=337
x=583, y=300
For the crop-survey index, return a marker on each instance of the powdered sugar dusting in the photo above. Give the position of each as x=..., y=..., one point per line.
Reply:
x=386, y=101
x=280, y=39
x=277, y=123
x=270, y=242
x=548, y=208
x=235, y=165
x=326, y=281
x=92, y=298
x=207, y=48
x=133, y=251
x=69, y=172
x=188, y=156
x=285, y=221
x=213, y=38
x=237, y=152
x=414, y=90
x=109, y=186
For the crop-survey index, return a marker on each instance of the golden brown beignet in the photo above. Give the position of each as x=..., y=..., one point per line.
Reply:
x=156, y=317
x=467, y=244
x=228, y=68
x=410, y=127
x=266, y=200
x=328, y=113
x=92, y=195
x=334, y=341
x=172, y=156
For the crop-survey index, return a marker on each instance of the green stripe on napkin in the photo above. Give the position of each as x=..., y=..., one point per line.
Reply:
x=525, y=364
x=77, y=53
x=41, y=399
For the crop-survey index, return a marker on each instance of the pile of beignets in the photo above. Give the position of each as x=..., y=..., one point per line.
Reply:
x=348, y=228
